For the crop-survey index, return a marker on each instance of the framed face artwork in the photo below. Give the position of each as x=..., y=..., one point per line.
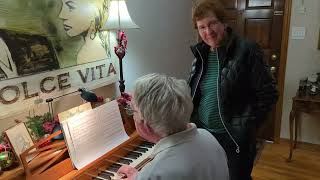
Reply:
x=84, y=18
x=44, y=44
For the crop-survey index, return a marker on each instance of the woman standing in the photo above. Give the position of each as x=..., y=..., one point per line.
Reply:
x=231, y=86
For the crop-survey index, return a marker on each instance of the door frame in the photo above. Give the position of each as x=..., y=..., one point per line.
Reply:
x=282, y=67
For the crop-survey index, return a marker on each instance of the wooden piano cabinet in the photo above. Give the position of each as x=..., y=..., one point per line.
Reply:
x=49, y=162
x=38, y=168
x=53, y=162
x=104, y=161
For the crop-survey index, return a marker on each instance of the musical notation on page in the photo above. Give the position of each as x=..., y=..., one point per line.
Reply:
x=92, y=133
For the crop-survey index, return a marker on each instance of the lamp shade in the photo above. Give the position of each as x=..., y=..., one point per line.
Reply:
x=119, y=17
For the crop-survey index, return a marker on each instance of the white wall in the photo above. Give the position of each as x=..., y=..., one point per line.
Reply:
x=162, y=44
x=303, y=60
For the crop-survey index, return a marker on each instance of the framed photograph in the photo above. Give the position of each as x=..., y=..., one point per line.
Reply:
x=24, y=54
x=19, y=139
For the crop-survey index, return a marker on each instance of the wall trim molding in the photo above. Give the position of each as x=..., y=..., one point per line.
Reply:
x=282, y=67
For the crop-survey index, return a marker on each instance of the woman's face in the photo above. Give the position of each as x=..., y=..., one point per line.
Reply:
x=77, y=15
x=211, y=30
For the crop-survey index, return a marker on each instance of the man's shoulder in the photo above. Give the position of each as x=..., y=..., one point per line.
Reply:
x=207, y=138
x=205, y=134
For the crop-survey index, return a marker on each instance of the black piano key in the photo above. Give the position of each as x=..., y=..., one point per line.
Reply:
x=125, y=161
x=149, y=143
x=140, y=149
x=133, y=155
x=112, y=169
x=100, y=178
x=144, y=144
x=104, y=175
x=126, y=158
x=130, y=160
x=136, y=153
x=116, y=165
x=108, y=173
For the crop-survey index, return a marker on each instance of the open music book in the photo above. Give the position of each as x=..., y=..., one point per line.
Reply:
x=92, y=133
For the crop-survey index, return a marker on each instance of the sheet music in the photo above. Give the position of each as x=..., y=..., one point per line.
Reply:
x=74, y=111
x=91, y=134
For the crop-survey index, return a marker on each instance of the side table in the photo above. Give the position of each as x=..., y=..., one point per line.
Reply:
x=306, y=104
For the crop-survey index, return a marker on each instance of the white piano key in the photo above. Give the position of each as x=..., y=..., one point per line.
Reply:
x=134, y=162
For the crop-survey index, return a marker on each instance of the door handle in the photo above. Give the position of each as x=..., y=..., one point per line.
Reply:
x=273, y=69
x=274, y=57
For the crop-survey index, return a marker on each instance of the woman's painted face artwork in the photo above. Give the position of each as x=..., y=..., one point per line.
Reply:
x=78, y=16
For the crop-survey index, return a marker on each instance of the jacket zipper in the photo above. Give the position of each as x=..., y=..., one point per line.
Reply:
x=200, y=73
x=218, y=78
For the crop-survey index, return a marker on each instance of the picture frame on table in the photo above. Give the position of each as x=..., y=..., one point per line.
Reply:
x=20, y=139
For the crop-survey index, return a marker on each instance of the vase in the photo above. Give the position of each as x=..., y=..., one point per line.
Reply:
x=127, y=120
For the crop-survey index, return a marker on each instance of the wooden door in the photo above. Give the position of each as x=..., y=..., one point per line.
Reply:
x=260, y=21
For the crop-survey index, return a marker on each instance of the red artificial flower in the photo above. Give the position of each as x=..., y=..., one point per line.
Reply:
x=124, y=99
x=48, y=127
x=100, y=99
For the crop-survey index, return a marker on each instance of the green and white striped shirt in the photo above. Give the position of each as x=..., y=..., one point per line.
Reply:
x=208, y=108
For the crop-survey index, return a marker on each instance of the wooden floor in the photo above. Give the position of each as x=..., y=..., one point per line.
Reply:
x=273, y=165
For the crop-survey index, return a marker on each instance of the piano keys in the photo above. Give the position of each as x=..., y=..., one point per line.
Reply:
x=136, y=157
x=135, y=152
x=64, y=170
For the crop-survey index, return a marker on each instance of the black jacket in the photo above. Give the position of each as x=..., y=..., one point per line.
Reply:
x=246, y=88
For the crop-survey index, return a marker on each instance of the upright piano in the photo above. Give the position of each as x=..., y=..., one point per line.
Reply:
x=54, y=163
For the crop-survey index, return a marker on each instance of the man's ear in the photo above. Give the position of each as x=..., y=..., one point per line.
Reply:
x=147, y=132
x=146, y=128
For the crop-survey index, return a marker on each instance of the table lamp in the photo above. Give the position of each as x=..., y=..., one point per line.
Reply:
x=119, y=19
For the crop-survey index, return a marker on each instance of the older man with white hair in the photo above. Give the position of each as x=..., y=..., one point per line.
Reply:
x=162, y=108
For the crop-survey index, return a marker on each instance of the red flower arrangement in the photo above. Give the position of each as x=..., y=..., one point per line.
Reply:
x=48, y=126
x=123, y=41
x=124, y=99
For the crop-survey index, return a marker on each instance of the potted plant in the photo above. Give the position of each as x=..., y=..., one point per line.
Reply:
x=40, y=125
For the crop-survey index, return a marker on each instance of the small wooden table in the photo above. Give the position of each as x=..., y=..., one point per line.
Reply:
x=16, y=173
x=306, y=104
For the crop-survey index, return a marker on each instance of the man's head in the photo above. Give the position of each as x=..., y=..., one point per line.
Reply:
x=162, y=106
x=207, y=18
